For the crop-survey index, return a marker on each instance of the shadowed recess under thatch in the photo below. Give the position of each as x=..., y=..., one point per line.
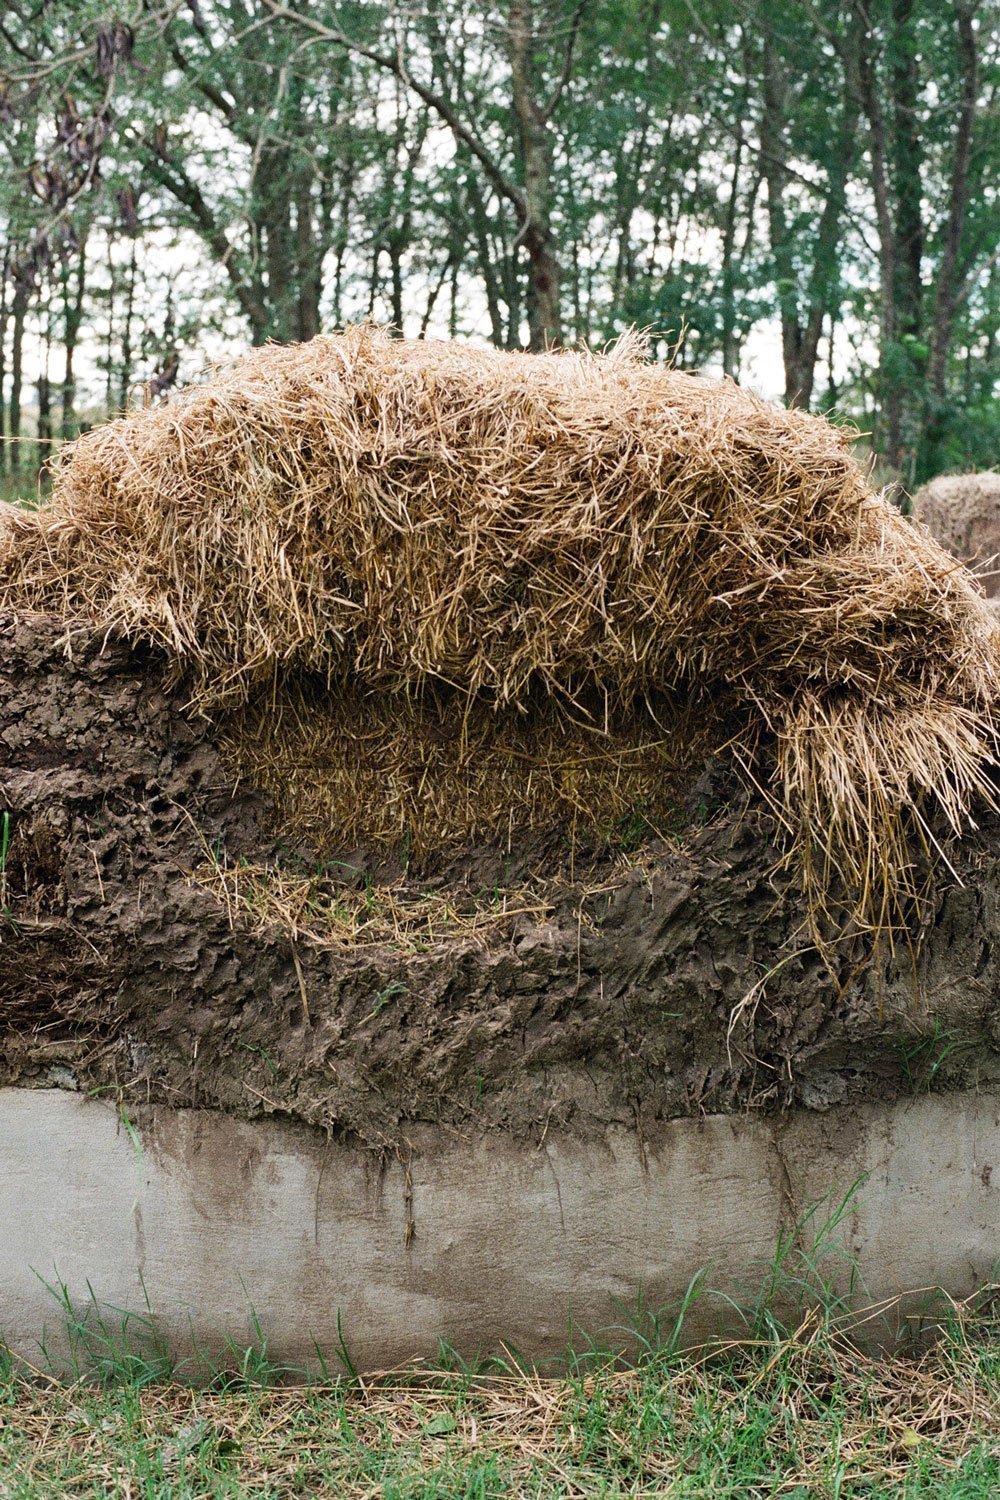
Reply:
x=353, y=770
x=397, y=518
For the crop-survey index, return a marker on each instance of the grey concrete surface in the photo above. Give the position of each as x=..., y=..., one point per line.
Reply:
x=477, y=1240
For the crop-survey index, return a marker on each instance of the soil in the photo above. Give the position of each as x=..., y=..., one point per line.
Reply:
x=680, y=985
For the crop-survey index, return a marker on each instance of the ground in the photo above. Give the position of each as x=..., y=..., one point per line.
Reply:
x=797, y=1410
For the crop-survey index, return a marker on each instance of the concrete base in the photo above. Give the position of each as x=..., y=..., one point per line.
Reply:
x=476, y=1240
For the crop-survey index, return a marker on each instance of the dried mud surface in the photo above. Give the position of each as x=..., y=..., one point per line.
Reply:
x=688, y=987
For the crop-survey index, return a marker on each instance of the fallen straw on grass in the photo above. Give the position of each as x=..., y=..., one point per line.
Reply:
x=309, y=906
x=802, y=1411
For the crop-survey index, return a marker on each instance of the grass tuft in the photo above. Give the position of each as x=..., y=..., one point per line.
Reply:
x=807, y=1413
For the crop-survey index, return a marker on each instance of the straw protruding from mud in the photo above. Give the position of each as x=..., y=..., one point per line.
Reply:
x=391, y=518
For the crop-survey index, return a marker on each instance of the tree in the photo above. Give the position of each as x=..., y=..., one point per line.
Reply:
x=538, y=40
x=211, y=171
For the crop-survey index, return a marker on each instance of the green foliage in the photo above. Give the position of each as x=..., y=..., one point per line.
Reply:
x=174, y=183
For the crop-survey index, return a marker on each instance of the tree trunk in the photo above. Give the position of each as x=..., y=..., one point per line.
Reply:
x=273, y=212
x=889, y=397
x=535, y=232
x=946, y=292
x=907, y=168
x=309, y=258
x=19, y=312
x=4, y=317
x=773, y=153
x=73, y=294
x=343, y=239
x=825, y=271
x=44, y=452
x=729, y=349
x=802, y=312
x=907, y=179
x=395, y=254
x=125, y=373
x=485, y=258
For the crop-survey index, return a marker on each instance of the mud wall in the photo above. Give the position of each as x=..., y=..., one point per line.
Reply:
x=681, y=986
x=470, y=1137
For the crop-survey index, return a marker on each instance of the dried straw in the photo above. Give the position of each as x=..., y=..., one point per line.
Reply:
x=391, y=515
x=383, y=770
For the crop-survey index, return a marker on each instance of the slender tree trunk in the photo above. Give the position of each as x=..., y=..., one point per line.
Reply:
x=888, y=391
x=535, y=233
x=485, y=258
x=802, y=311
x=4, y=318
x=374, y=282
x=395, y=253
x=579, y=328
x=343, y=240
x=74, y=287
x=628, y=177
x=19, y=312
x=43, y=429
x=946, y=292
x=907, y=178
x=309, y=261
x=453, y=302
x=125, y=373
x=773, y=153
x=443, y=278
x=832, y=392
x=109, y=348
x=907, y=167
x=728, y=267
x=273, y=196
x=825, y=271
x=513, y=291
x=44, y=411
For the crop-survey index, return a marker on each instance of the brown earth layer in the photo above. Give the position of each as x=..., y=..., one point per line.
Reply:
x=680, y=983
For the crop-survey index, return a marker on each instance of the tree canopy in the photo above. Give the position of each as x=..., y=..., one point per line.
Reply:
x=181, y=176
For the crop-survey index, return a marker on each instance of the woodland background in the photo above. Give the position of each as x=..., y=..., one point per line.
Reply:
x=804, y=195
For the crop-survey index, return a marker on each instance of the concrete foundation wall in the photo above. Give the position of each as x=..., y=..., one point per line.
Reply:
x=475, y=1240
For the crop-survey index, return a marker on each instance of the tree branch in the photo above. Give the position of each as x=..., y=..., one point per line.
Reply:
x=396, y=65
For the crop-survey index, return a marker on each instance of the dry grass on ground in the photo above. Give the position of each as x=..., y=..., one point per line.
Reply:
x=797, y=1414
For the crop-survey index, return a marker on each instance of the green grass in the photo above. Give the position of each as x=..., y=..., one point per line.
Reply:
x=799, y=1402
x=803, y=1414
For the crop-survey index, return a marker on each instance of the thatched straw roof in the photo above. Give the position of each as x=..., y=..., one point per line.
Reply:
x=591, y=530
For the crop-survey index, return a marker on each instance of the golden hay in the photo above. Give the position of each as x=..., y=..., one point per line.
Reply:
x=417, y=774
x=963, y=512
x=391, y=515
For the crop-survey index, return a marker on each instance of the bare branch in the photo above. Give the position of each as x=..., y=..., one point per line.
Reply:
x=551, y=104
x=442, y=107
